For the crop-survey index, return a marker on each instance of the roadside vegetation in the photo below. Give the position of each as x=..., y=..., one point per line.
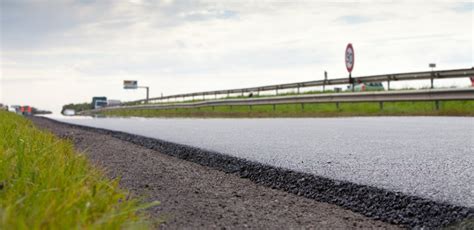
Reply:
x=78, y=107
x=44, y=184
x=428, y=108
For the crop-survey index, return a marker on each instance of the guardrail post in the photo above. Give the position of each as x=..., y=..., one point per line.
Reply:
x=302, y=106
x=388, y=85
x=381, y=105
x=215, y=96
x=242, y=93
x=274, y=107
x=231, y=107
x=276, y=91
x=213, y=108
x=437, y=105
x=298, y=89
x=325, y=79
x=337, y=105
x=203, y=97
x=250, y=107
x=258, y=92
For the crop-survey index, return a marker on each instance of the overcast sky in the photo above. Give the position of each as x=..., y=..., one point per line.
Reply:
x=58, y=52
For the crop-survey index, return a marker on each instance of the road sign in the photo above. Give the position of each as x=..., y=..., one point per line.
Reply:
x=349, y=57
x=130, y=84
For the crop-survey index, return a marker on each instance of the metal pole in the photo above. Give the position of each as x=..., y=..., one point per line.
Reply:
x=432, y=78
x=351, y=81
x=147, y=94
x=388, y=85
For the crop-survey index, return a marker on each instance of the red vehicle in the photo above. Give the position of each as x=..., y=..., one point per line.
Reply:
x=26, y=110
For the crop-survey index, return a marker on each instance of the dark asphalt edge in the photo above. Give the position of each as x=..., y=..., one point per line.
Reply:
x=377, y=203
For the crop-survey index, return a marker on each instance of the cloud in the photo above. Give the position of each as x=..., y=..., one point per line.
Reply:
x=464, y=7
x=183, y=46
x=208, y=14
x=354, y=19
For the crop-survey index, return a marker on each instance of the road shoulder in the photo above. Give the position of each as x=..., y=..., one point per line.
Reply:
x=195, y=196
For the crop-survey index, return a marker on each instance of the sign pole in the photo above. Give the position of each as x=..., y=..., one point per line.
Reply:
x=133, y=84
x=147, y=93
x=351, y=81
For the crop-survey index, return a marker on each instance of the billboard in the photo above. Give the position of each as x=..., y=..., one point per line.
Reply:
x=130, y=84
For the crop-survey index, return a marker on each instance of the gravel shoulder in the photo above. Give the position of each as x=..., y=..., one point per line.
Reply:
x=194, y=196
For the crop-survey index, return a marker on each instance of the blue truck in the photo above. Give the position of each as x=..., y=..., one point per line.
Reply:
x=99, y=102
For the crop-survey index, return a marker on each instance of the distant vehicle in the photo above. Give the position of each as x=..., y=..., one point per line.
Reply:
x=26, y=110
x=69, y=112
x=472, y=81
x=99, y=102
x=111, y=102
x=15, y=109
x=370, y=86
x=12, y=109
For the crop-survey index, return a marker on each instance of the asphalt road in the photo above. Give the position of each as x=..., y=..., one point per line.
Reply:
x=430, y=157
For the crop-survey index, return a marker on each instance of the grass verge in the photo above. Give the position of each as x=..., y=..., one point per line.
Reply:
x=44, y=184
x=426, y=108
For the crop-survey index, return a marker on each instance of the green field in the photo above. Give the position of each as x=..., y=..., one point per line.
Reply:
x=45, y=184
x=446, y=108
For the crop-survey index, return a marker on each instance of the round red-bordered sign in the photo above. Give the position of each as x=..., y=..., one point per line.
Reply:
x=349, y=57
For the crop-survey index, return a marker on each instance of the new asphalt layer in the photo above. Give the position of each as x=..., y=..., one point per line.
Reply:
x=405, y=165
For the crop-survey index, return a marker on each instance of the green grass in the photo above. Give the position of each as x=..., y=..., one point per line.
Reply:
x=44, y=184
x=446, y=108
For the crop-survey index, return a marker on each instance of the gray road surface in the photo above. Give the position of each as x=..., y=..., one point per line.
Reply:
x=431, y=157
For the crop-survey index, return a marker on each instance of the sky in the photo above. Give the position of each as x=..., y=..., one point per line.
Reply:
x=57, y=52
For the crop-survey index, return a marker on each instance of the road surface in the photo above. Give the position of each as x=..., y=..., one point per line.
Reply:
x=429, y=157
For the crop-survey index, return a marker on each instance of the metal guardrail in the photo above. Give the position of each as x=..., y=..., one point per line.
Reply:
x=431, y=75
x=379, y=96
